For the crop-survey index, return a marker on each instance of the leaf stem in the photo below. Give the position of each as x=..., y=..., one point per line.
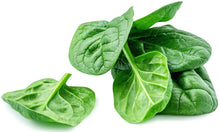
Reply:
x=126, y=50
x=57, y=87
x=131, y=60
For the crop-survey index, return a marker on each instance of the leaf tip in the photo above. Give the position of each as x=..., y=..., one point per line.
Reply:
x=178, y=3
x=130, y=11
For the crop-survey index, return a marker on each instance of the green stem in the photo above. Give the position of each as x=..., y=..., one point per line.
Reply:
x=126, y=50
x=130, y=58
x=57, y=87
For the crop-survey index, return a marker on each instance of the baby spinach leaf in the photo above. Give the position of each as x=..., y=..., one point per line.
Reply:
x=96, y=46
x=192, y=94
x=184, y=51
x=144, y=89
x=163, y=14
x=49, y=100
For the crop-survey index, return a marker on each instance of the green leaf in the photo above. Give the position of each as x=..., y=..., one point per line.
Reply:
x=121, y=64
x=95, y=46
x=184, y=51
x=163, y=14
x=144, y=89
x=193, y=94
x=48, y=100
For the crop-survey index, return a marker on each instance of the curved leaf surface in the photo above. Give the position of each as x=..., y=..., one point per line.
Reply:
x=184, y=51
x=95, y=46
x=143, y=90
x=193, y=94
x=163, y=14
x=49, y=100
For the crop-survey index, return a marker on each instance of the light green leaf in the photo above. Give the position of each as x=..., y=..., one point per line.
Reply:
x=143, y=90
x=48, y=100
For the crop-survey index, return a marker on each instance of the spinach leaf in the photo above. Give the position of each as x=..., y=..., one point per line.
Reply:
x=143, y=90
x=163, y=14
x=192, y=94
x=49, y=100
x=184, y=51
x=96, y=45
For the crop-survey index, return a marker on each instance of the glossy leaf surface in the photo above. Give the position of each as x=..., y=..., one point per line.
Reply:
x=95, y=46
x=143, y=90
x=184, y=51
x=48, y=100
x=163, y=14
x=192, y=94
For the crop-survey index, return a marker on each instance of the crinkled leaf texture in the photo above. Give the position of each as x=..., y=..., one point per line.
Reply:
x=143, y=90
x=184, y=51
x=163, y=14
x=48, y=100
x=193, y=94
x=95, y=46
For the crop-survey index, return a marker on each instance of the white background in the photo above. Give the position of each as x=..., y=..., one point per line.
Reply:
x=34, y=42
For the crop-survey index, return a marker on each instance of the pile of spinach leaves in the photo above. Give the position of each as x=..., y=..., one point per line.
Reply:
x=156, y=70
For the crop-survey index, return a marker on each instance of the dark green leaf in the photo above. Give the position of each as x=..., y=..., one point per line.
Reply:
x=184, y=51
x=121, y=64
x=49, y=100
x=95, y=46
x=193, y=94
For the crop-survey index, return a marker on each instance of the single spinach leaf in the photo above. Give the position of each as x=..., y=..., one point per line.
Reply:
x=144, y=89
x=192, y=94
x=95, y=46
x=184, y=51
x=49, y=100
x=163, y=14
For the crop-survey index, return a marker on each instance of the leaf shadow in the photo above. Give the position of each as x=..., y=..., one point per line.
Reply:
x=51, y=125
